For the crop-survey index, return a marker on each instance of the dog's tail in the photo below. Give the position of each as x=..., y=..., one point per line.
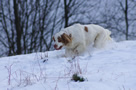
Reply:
x=108, y=33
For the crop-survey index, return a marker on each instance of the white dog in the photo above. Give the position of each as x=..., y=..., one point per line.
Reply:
x=77, y=38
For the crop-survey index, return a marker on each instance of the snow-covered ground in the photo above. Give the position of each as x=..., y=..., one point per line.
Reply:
x=112, y=68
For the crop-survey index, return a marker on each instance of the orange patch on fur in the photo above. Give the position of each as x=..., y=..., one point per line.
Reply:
x=65, y=39
x=86, y=29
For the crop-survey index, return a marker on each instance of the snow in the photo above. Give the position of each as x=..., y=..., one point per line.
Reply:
x=112, y=68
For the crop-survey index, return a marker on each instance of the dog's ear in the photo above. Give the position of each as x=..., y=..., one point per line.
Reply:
x=66, y=38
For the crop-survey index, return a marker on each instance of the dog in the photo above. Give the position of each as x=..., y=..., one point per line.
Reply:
x=77, y=38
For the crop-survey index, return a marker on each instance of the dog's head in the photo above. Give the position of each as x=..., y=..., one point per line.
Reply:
x=61, y=40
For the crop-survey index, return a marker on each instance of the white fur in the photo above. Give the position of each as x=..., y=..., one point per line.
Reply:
x=96, y=36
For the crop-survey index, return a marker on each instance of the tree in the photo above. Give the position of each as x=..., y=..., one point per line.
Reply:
x=127, y=9
x=119, y=17
x=27, y=26
x=71, y=8
x=17, y=26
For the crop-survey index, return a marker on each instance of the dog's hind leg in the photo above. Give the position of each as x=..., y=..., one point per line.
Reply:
x=100, y=40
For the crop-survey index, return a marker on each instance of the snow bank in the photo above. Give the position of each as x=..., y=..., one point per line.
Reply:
x=113, y=68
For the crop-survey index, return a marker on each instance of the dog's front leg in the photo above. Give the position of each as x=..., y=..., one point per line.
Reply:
x=69, y=53
x=79, y=49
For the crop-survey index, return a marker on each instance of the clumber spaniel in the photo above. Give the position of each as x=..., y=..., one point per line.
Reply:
x=77, y=38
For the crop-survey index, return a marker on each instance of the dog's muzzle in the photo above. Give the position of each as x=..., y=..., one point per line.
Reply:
x=55, y=46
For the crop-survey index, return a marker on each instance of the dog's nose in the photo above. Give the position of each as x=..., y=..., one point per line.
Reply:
x=55, y=46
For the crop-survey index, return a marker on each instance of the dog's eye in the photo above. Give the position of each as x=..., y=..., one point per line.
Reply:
x=59, y=39
x=53, y=39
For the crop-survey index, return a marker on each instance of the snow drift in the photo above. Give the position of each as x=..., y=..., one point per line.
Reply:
x=112, y=68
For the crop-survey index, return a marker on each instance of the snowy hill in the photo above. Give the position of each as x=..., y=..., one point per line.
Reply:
x=108, y=69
